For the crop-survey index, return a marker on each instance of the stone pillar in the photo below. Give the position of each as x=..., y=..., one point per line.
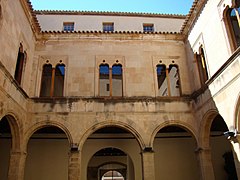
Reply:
x=74, y=164
x=205, y=164
x=148, y=164
x=17, y=165
x=130, y=169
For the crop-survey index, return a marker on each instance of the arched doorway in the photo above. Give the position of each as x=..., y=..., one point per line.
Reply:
x=114, y=147
x=5, y=147
x=113, y=165
x=174, y=153
x=47, y=155
x=221, y=152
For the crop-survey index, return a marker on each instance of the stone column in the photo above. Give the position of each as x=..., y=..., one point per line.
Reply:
x=205, y=164
x=74, y=164
x=148, y=164
x=17, y=165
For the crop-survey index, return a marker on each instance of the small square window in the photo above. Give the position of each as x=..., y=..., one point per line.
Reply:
x=68, y=26
x=108, y=27
x=148, y=28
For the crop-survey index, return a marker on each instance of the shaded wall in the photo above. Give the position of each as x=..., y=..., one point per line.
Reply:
x=5, y=147
x=47, y=159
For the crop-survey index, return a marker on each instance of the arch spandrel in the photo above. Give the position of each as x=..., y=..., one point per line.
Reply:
x=121, y=125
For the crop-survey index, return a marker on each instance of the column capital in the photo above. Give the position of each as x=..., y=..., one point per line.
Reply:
x=148, y=150
x=202, y=149
x=74, y=148
x=18, y=152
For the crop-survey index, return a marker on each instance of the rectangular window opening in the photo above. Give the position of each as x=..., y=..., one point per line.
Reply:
x=109, y=27
x=68, y=26
x=148, y=28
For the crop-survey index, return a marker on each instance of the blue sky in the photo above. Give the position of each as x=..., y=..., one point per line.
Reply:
x=148, y=6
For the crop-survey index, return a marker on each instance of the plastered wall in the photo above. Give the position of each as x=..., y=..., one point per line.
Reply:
x=5, y=145
x=209, y=31
x=47, y=159
x=121, y=23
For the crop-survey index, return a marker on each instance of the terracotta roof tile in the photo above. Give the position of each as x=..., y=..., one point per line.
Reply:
x=34, y=17
x=190, y=18
x=107, y=13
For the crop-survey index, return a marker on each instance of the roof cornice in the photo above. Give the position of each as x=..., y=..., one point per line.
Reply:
x=106, y=32
x=192, y=15
x=106, y=13
x=116, y=35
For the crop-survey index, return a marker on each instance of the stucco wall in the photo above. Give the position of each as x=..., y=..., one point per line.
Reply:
x=121, y=23
x=209, y=31
x=5, y=145
x=47, y=159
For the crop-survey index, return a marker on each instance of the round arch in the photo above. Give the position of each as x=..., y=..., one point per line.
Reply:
x=177, y=123
x=44, y=124
x=237, y=114
x=205, y=126
x=218, y=145
x=112, y=162
x=226, y=19
x=15, y=127
x=101, y=125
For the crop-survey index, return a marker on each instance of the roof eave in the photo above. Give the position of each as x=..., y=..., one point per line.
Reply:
x=31, y=16
x=106, y=13
x=192, y=16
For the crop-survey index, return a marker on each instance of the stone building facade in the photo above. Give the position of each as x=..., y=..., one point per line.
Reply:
x=100, y=95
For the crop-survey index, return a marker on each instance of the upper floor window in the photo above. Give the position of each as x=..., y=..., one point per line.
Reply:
x=232, y=21
x=110, y=80
x=108, y=27
x=68, y=26
x=168, y=80
x=52, y=83
x=117, y=80
x=202, y=65
x=21, y=60
x=162, y=80
x=148, y=28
